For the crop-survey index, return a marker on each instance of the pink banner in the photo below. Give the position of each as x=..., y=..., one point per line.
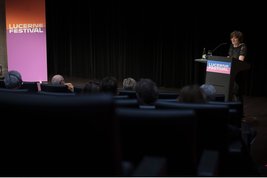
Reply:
x=218, y=67
x=26, y=38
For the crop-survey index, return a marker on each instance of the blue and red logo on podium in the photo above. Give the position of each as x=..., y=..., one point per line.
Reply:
x=218, y=67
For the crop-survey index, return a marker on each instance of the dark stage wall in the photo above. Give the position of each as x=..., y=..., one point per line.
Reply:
x=157, y=40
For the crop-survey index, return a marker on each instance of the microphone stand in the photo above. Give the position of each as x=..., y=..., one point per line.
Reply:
x=211, y=52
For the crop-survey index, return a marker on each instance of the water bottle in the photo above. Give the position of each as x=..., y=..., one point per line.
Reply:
x=204, y=54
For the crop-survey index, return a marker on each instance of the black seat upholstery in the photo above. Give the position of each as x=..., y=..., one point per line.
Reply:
x=236, y=111
x=58, y=136
x=129, y=93
x=31, y=86
x=169, y=134
x=168, y=95
x=54, y=88
x=2, y=83
x=7, y=90
x=212, y=120
x=126, y=103
x=56, y=93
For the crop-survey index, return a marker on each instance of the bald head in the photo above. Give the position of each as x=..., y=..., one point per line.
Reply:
x=57, y=80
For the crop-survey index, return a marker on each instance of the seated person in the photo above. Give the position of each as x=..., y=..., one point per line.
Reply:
x=147, y=93
x=128, y=84
x=91, y=87
x=192, y=94
x=59, y=80
x=209, y=91
x=109, y=84
x=13, y=80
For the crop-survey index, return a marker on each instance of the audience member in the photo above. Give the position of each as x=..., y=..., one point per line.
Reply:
x=209, y=91
x=59, y=80
x=13, y=79
x=192, y=94
x=91, y=87
x=128, y=84
x=147, y=92
x=109, y=84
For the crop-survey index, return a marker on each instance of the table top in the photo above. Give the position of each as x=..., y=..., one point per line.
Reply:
x=201, y=60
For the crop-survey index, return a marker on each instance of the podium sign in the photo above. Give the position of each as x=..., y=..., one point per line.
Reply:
x=218, y=67
x=221, y=73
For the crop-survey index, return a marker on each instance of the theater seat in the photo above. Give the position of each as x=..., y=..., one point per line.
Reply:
x=58, y=136
x=54, y=88
x=167, y=134
x=31, y=86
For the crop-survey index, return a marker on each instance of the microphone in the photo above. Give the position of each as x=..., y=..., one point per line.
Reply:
x=221, y=44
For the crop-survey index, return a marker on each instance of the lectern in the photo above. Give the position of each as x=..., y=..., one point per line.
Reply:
x=221, y=72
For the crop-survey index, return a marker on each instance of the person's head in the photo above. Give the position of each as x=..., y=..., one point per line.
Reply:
x=210, y=91
x=146, y=91
x=12, y=79
x=128, y=84
x=236, y=38
x=58, y=80
x=109, y=84
x=91, y=87
x=191, y=94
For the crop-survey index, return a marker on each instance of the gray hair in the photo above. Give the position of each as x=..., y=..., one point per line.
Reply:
x=57, y=80
x=209, y=90
x=128, y=84
x=12, y=79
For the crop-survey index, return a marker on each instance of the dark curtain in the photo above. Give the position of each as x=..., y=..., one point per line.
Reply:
x=139, y=39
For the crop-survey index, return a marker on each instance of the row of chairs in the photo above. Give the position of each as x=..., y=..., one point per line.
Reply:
x=90, y=136
x=219, y=128
x=46, y=87
x=34, y=87
x=163, y=95
x=58, y=136
x=129, y=97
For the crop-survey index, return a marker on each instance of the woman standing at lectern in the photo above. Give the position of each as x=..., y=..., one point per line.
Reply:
x=238, y=49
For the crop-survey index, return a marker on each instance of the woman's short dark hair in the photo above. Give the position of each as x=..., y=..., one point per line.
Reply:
x=91, y=87
x=238, y=35
x=146, y=91
x=192, y=94
x=109, y=84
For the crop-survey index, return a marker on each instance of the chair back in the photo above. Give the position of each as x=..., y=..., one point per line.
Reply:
x=2, y=83
x=54, y=88
x=126, y=103
x=130, y=93
x=169, y=134
x=31, y=86
x=168, y=95
x=56, y=93
x=58, y=136
x=236, y=111
x=7, y=90
x=212, y=123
